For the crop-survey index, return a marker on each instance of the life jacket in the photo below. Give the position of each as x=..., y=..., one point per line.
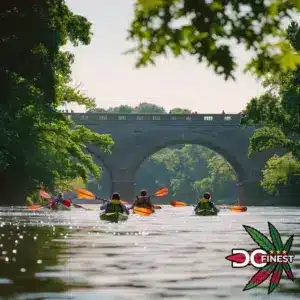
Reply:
x=114, y=206
x=143, y=201
x=205, y=204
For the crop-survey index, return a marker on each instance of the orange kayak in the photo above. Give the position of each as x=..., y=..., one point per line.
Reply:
x=143, y=211
x=238, y=208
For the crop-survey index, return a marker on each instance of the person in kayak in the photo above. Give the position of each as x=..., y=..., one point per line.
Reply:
x=60, y=199
x=205, y=203
x=143, y=201
x=115, y=205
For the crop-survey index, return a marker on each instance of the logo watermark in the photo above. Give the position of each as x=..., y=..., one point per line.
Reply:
x=272, y=258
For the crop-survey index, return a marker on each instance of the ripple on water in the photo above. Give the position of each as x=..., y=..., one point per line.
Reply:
x=172, y=254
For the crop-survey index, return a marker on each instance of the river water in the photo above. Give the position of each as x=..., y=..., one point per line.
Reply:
x=169, y=255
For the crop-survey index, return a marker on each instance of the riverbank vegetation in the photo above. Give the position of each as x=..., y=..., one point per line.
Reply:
x=277, y=113
x=39, y=145
x=65, y=186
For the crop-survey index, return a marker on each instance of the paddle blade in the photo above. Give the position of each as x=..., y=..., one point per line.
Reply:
x=177, y=203
x=157, y=206
x=45, y=195
x=80, y=206
x=34, y=207
x=142, y=211
x=162, y=192
x=85, y=194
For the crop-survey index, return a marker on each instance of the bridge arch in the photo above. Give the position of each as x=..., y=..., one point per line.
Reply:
x=231, y=159
x=153, y=176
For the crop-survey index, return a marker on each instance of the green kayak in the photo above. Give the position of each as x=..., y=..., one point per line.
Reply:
x=206, y=212
x=114, y=217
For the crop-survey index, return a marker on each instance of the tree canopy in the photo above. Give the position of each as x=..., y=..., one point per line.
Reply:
x=209, y=30
x=39, y=145
x=142, y=108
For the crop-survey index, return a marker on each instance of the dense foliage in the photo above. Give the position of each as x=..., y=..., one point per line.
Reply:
x=209, y=30
x=277, y=112
x=126, y=109
x=188, y=170
x=39, y=145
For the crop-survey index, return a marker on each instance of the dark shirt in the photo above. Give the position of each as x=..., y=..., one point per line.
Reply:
x=143, y=201
x=59, y=200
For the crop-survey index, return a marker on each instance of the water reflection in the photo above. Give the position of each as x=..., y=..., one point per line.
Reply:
x=74, y=255
x=25, y=252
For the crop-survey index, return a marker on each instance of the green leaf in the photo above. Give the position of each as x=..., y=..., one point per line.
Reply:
x=288, y=271
x=276, y=238
x=216, y=5
x=260, y=276
x=296, y=3
x=279, y=171
x=289, y=61
x=267, y=138
x=288, y=245
x=275, y=279
x=260, y=239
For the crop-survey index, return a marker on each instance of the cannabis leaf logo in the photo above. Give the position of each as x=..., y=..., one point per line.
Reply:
x=275, y=246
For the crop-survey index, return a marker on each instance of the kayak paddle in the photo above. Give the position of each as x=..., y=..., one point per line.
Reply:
x=85, y=194
x=161, y=193
x=178, y=203
x=80, y=206
x=44, y=195
x=34, y=207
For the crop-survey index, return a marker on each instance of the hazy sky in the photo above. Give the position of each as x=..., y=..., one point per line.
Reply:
x=110, y=77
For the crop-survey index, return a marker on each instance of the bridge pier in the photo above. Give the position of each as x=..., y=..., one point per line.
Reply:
x=251, y=192
x=125, y=189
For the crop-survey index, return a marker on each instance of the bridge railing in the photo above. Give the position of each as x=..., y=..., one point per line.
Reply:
x=209, y=118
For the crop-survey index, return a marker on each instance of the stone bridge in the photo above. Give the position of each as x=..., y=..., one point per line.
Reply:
x=138, y=136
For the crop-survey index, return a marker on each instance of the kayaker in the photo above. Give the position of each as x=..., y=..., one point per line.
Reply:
x=115, y=205
x=205, y=203
x=60, y=199
x=143, y=201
